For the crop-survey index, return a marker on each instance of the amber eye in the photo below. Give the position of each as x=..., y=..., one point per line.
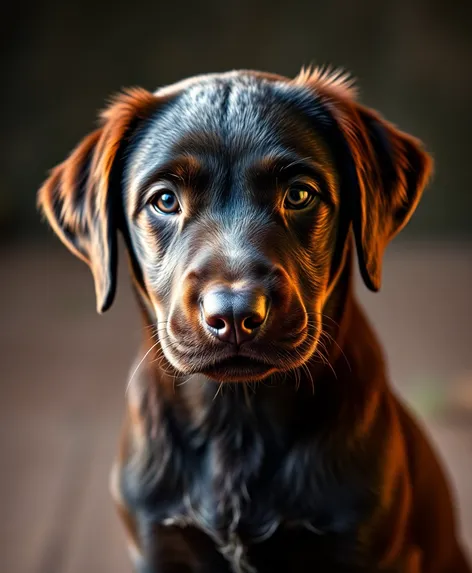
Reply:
x=165, y=202
x=298, y=197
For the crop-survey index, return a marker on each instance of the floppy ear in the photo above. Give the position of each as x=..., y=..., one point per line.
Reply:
x=81, y=199
x=383, y=170
x=392, y=170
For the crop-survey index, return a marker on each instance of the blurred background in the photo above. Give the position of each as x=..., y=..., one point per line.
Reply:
x=63, y=369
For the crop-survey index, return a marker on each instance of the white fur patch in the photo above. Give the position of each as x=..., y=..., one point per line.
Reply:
x=232, y=549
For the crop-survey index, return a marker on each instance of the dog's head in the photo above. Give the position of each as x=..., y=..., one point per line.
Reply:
x=236, y=193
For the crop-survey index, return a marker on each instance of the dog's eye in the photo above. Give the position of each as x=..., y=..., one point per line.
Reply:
x=165, y=202
x=298, y=197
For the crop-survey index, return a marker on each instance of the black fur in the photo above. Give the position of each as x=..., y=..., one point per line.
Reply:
x=303, y=461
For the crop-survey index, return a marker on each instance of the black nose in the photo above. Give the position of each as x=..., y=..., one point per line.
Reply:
x=234, y=316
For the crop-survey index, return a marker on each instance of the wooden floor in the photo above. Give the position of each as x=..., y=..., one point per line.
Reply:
x=63, y=372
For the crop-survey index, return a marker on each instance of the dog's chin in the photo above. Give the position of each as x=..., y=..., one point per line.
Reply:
x=238, y=369
x=235, y=368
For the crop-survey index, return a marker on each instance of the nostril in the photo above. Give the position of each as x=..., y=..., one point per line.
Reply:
x=252, y=322
x=215, y=322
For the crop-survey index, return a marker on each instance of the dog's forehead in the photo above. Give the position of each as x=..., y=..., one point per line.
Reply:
x=231, y=102
x=225, y=115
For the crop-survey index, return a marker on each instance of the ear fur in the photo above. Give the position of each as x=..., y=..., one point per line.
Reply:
x=81, y=197
x=389, y=169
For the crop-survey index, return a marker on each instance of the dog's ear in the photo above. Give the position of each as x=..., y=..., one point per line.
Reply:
x=383, y=170
x=391, y=171
x=81, y=198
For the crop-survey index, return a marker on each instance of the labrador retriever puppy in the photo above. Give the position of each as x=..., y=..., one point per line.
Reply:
x=261, y=434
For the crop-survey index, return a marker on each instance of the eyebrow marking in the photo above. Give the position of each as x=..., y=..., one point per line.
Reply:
x=287, y=161
x=182, y=168
x=185, y=169
x=286, y=166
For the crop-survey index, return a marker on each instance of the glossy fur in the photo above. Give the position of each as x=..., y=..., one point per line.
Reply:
x=288, y=453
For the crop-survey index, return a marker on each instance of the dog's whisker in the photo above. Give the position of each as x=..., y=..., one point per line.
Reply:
x=326, y=362
x=307, y=370
x=187, y=380
x=331, y=339
x=218, y=390
x=139, y=365
x=160, y=359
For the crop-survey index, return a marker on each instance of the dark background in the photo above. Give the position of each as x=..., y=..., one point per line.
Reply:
x=63, y=369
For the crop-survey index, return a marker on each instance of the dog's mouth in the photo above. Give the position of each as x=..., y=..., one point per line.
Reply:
x=248, y=365
x=238, y=367
x=254, y=362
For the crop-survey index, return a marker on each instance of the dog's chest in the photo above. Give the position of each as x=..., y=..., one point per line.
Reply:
x=226, y=487
x=241, y=484
x=229, y=498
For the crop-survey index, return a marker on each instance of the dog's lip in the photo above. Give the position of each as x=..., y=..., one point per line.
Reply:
x=237, y=363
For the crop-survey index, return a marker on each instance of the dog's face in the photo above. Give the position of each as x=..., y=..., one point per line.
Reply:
x=231, y=203
x=235, y=194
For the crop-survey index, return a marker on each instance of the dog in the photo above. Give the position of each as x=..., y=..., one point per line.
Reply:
x=261, y=435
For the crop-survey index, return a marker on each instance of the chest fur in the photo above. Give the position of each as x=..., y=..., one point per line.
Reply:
x=241, y=481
